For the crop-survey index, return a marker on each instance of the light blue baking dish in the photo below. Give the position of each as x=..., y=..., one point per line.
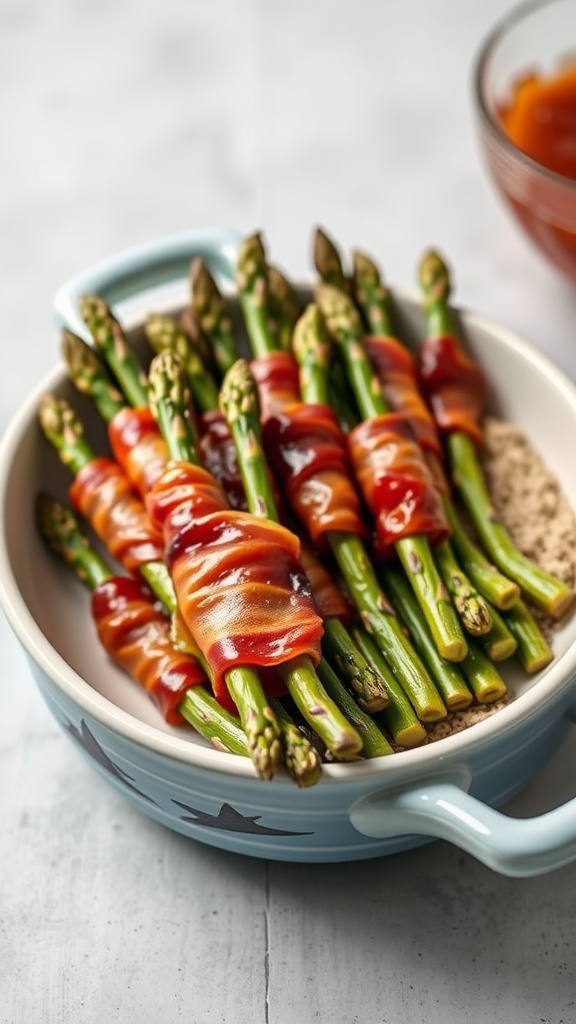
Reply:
x=448, y=789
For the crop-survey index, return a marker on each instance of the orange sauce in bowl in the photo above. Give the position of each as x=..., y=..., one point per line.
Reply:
x=541, y=120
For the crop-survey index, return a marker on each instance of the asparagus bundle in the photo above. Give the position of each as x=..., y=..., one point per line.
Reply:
x=339, y=523
x=453, y=383
x=136, y=633
x=261, y=612
x=515, y=629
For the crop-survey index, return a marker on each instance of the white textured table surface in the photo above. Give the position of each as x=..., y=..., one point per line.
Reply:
x=124, y=121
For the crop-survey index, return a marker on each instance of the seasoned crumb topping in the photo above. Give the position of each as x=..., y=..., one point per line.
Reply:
x=529, y=501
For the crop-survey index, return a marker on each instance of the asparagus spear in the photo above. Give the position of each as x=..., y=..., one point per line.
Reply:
x=89, y=374
x=370, y=294
x=350, y=554
x=163, y=333
x=110, y=340
x=284, y=306
x=405, y=728
x=344, y=325
x=301, y=758
x=62, y=531
x=328, y=262
x=552, y=594
x=211, y=310
x=239, y=405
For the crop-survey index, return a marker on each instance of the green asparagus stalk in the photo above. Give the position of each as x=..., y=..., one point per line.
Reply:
x=212, y=312
x=301, y=758
x=344, y=325
x=328, y=261
x=62, y=531
x=284, y=306
x=401, y=721
x=447, y=676
x=111, y=341
x=349, y=552
x=499, y=643
x=534, y=651
x=239, y=405
x=374, y=742
x=90, y=376
x=370, y=295
x=552, y=594
x=163, y=333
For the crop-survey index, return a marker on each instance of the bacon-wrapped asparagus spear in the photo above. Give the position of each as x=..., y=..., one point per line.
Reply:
x=311, y=347
x=239, y=404
x=330, y=509
x=240, y=585
x=455, y=390
x=394, y=478
x=136, y=634
x=103, y=495
x=398, y=372
x=514, y=629
x=133, y=433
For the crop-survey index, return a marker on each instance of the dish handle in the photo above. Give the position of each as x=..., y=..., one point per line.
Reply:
x=147, y=266
x=442, y=809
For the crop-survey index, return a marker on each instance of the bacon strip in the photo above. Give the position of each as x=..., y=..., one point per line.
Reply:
x=138, y=446
x=239, y=580
x=278, y=380
x=307, y=450
x=397, y=371
x=396, y=482
x=136, y=635
x=454, y=386
x=103, y=495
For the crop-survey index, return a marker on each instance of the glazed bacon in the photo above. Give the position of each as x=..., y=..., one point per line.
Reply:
x=307, y=450
x=278, y=379
x=454, y=386
x=239, y=580
x=328, y=598
x=138, y=446
x=218, y=455
x=397, y=371
x=135, y=632
x=396, y=483
x=102, y=493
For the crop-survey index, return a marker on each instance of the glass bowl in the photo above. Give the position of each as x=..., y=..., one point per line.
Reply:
x=532, y=45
